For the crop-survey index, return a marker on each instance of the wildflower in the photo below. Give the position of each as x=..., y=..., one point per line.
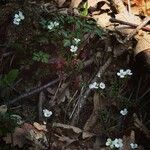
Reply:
x=121, y=73
x=18, y=17
x=102, y=85
x=134, y=145
x=124, y=112
x=50, y=26
x=73, y=48
x=94, y=85
x=47, y=113
x=109, y=143
x=128, y=72
x=77, y=40
x=55, y=23
x=118, y=143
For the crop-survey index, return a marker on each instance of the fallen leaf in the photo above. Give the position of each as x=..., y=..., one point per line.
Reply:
x=102, y=20
x=143, y=43
x=40, y=127
x=75, y=3
x=93, y=3
x=19, y=137
x=65, y=139
x=87, y=135
x=65, y=126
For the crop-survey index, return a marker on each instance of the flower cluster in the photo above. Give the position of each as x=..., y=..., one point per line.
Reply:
x=124, y=112
x=95, y=85
x=18, y=17
x=117, y=143
x=51, y=25
x=47, y=113
x=74, y=48
x=122, y=73
x=134, y=145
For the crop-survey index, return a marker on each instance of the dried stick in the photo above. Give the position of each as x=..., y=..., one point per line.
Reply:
x=146, y=20
x=28, y=94
x=40, y=104
x=129, y=6
x=87, y=92
x=128, y=23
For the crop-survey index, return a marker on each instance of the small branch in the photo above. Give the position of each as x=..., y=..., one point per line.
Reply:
x=128, y=23
x=129, y=6
x=135, y=31
x=28, y=94
x=87, y=92
x=40, y=104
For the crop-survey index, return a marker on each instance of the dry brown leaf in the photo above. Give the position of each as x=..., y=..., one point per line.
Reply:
x=144, y=6
x=65, y=126
x=65, y=139
x=102, y=20
x=19, y=137
x=38, y=139
x=143, y=43
x=40, y=127
x=86, y=135
x=93, y=3
x=75, y=3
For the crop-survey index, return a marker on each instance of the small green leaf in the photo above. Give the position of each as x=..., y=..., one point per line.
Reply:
x=67, y=42
x=84, y=12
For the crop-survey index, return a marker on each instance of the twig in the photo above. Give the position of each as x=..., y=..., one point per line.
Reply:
x=40, y=104
x=87, y=92
x=129, y=6
x=25, y=95
x=128, y=23
x=146, y=20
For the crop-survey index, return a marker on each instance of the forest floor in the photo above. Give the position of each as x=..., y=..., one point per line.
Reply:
x=74, y=75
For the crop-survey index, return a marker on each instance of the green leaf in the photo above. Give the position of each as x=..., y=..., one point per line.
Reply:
x=67, y=42
x=11, y=76
x=85, y=9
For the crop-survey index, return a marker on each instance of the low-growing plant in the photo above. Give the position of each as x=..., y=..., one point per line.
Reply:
x=6, y=81
x=41, y=57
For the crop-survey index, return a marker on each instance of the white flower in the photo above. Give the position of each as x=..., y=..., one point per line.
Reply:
x=56, y=23
x=121, y=73
x=128, y=72
x=73, y=48
x=16, y=22
x=18, y=17
x=50, y=26
x=94, y=85
x=134, y=145
x=109, y=143
x=124, y=112
x=102, y=85
x=77, y=40
x=47, y=113
x=118, y=143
